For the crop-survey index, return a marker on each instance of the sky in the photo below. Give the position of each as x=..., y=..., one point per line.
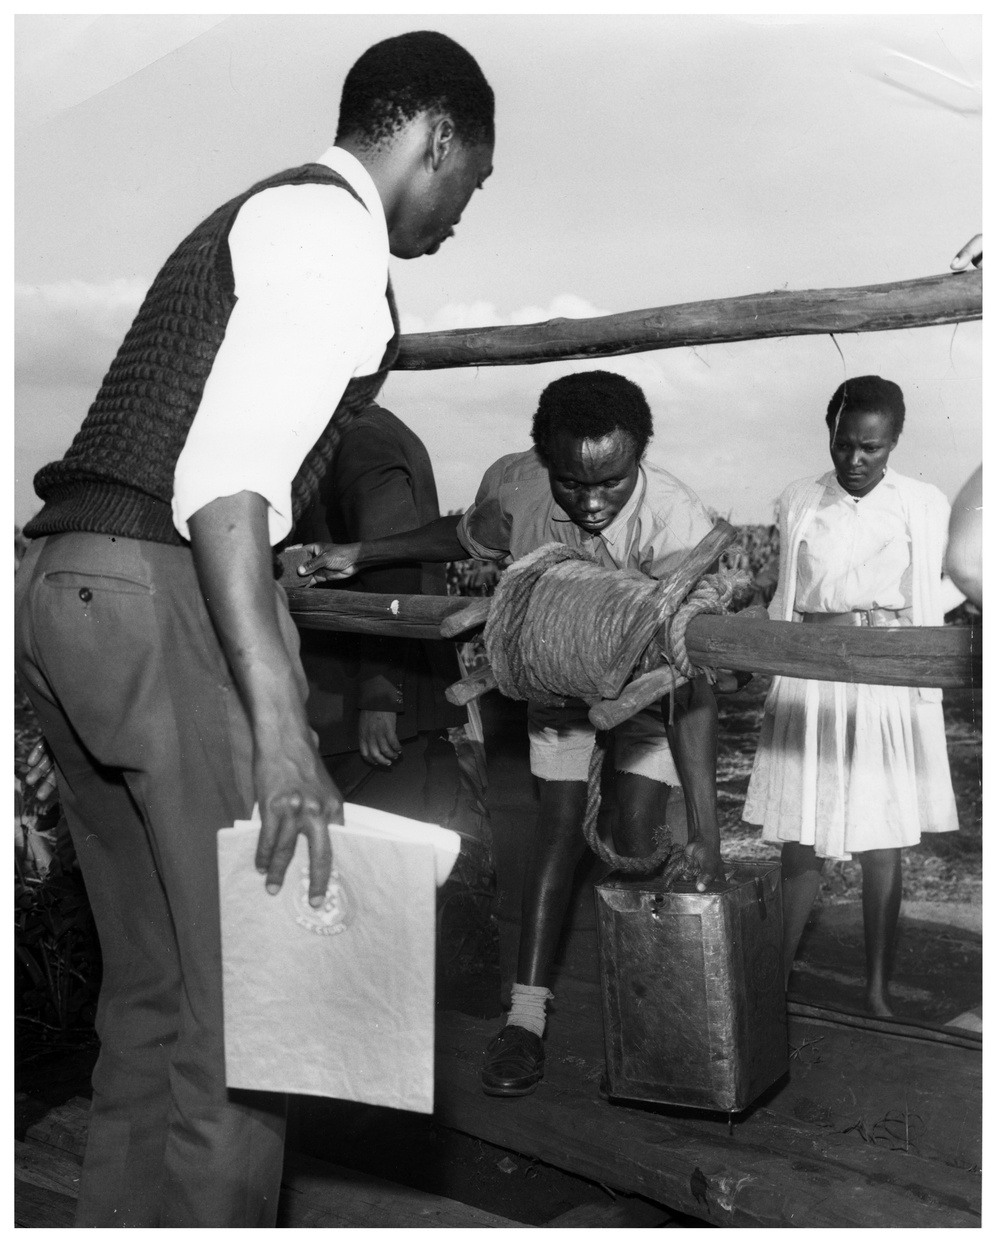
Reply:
x=640, y=161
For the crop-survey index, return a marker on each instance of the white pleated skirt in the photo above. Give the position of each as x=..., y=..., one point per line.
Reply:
x=847, y=768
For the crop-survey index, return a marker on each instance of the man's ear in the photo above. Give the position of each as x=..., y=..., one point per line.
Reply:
x=441, y=141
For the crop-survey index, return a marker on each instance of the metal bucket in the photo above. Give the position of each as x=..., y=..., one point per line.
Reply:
x=693, y=988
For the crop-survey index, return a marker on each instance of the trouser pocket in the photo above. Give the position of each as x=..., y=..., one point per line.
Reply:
x=85, y=584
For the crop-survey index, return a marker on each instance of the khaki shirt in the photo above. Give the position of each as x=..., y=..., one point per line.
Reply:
x=515, y=513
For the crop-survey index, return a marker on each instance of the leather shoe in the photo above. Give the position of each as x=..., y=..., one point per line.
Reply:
x=515, y=1062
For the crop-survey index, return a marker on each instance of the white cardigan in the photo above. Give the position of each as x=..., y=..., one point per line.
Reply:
x=927, y=512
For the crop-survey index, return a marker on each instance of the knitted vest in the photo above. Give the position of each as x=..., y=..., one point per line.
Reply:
x=118, y=475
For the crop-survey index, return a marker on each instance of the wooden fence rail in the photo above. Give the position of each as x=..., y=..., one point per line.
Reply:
x=939, y=300
x=947, y=656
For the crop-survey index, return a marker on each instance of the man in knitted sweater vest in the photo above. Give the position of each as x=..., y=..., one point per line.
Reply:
x=152, y=639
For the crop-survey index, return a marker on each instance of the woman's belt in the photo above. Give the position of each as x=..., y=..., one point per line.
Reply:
x=880, y=617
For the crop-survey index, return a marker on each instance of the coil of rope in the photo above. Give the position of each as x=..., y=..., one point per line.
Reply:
x=563, y=627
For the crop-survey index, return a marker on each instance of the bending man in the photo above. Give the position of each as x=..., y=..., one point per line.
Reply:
x=583, y=483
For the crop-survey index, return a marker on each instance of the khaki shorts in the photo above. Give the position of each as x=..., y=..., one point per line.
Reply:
x=562, y=740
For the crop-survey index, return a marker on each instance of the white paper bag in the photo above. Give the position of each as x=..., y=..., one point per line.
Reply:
x=336, y=1001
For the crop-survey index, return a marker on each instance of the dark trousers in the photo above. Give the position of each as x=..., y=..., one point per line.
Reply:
x=153, y=754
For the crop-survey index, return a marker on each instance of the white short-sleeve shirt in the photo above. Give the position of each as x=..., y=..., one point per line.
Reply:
x=310, y=266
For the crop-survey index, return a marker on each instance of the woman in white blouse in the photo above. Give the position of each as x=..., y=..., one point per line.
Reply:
x=844, y=769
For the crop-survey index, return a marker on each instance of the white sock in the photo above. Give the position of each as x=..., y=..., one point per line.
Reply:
x=527, y=1007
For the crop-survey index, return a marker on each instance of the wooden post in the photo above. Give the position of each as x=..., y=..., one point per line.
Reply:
x=466, y=618
x=468, y=688
x=940, y=300
x=650, y=688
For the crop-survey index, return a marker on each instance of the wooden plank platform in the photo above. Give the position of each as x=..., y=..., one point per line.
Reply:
x=37, y=1206
x=822, y=1151
x=870, y=1130
x=314, y=1194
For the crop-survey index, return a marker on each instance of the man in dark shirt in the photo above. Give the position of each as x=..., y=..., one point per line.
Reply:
x=378, y=703
x=587, y=485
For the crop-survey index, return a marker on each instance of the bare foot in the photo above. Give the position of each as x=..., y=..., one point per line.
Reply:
x=878, y=1004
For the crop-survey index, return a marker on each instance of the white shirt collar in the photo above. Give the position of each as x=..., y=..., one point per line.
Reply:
x=349, y=167
x=889, y=478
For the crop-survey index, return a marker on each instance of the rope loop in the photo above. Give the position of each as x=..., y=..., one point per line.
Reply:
x=665, y=852
x=713, y=594
x=563, y=627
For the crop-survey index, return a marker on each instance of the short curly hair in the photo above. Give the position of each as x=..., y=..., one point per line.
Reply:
x=592, y=405
x=869, y=393
x=400, y=77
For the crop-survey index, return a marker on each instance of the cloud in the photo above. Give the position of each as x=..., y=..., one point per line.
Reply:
x=483, y=313
x=68, y=332
x=664, y=376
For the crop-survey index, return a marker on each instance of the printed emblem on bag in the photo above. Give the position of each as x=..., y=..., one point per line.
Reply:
x=334, y=915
